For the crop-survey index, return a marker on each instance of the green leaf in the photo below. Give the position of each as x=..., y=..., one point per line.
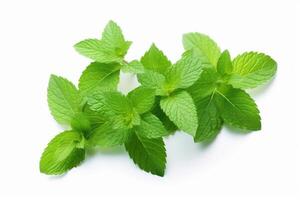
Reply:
x=252, y=69
x=115, y=107
x=180, y=108
x=209, y=120
x=95, y=50
x=81, y=123
x=159, y=113
x=107, y=136
x=185, y=72
x=113, y=40
x=142, y=99
x=110, y=103
x=153, y=80
x=205, y=85
x=155, y=60
x=97, y=77
x=63, y=99
x=148, y=154
x=238, y=109
x=207, y=50
x=151, y=127
x=62, y=153
x=224, y=63
x=133, y=67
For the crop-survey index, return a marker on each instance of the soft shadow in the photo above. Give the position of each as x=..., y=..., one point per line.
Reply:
x=204, y=145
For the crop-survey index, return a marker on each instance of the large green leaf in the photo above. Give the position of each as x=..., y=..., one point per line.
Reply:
x=151, y=126
x=99, y=76
x=180, y=108
x=252, y=69
x=208, y=51
x=238, y=109
x=62, y=153
x=142, y=99
x=185, y=72
x=63, y=99
x=148, y=154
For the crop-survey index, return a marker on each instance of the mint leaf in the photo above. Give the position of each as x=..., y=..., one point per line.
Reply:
x=155, y=60
x=207, y=50
x=63, y=99
x=95, y=50
x=110, y=103
x=99, y=76
x=205, y=85
x=62, y=153
x=81, y=123
x=142, y=99
x=180, y=108
x=185, y=72
x=238, y=109
x=107, y=136
x=151, y=126
x=113, y=40
x=252, y=69
x=148, y=154
x=111, y=48
x=224, y=65
x=209, y=120
x=133, y=67
x=153, y=80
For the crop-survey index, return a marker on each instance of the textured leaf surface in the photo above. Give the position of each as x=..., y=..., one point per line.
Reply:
x=208, y=51
x=252, y=69
x=151, y=126
x=209, y=120
x=142, y=99
x=155, y=60
x=106, y=136
x=63, y=99
x=238, y=109
x=113, y=40
x=205, y=85
x=180, y=108
x=95, y=50
x=153, y=80
x=97, y=77
x=148, y=154
x=134, y=66
x=62, y=153
x=185, y=72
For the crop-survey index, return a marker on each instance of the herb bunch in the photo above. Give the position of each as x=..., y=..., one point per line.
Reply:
x=197, y=94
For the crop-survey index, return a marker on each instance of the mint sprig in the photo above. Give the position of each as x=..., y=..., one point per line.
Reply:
x=198, y=94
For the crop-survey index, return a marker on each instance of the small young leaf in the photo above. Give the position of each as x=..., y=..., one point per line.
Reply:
x=113, y=40
x=151, y=127
x=142, y=99
x=63, y=99
x=148, y=154
x=238, y=109
x=207, y=50
x=98, y=77
x=180, y=108
x=62, y=153
x=153, y=80
x=224, y=63
x=155, y=60
x=252, y=69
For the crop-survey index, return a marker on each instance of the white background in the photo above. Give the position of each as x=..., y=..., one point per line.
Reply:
x=37, y=38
